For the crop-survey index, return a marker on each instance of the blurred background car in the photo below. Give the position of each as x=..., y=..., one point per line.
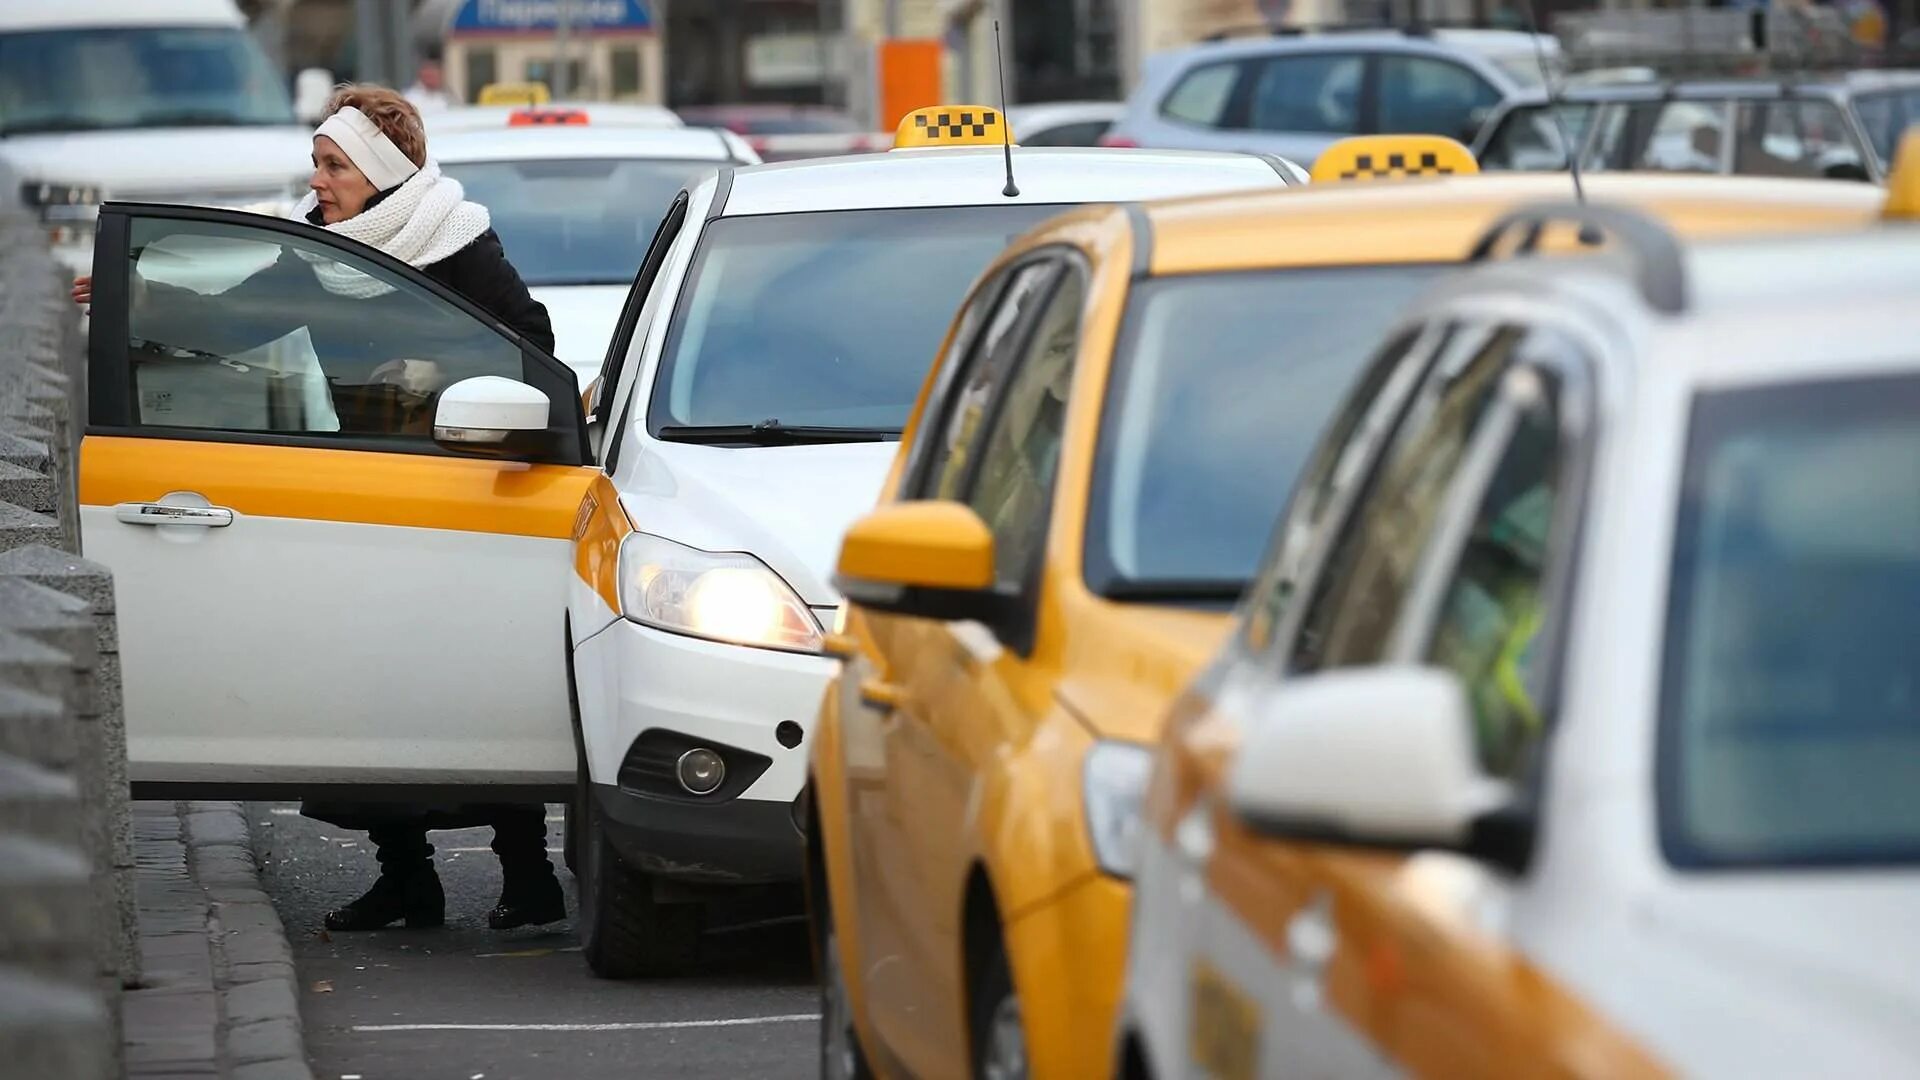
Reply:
x=1296, y=93
x=157, y=101
x=790, y=132
x=600, y=114
x=1064, y=123
x=575, y=207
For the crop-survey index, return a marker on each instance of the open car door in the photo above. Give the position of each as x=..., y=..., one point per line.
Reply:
x=338, y=501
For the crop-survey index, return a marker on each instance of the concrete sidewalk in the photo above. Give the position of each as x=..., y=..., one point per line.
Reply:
x=217, y=999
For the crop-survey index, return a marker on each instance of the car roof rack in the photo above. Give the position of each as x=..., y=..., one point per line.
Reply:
x=1659, y=273
x=1697, y=43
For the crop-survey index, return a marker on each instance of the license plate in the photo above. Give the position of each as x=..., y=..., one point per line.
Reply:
x=1224, y=1036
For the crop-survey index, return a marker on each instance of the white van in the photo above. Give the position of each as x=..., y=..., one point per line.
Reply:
x=154, y=100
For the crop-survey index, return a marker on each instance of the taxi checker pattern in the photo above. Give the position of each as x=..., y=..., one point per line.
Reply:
x=944, y=126
x=1396, y=168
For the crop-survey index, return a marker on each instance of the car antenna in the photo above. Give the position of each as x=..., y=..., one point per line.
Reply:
x=1012, y=190
x=1589, y=235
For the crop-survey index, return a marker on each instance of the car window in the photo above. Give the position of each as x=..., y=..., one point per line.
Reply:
x=1796, y=138
x=1357, y=597
x=1202, y=94
x=990, y=357
x=1790, y=678
x=1428, y=96
x=826, y=319
x=1201, y=386
x=1317, y=93
x=1085, y=133
x=110, y=77
x=1886, y=116
x=240, y=329
x=1494, y=604
x=1021, y=450
x=577, y=221
x=1668, y=136
x=1342, y=452
x=1529, y=138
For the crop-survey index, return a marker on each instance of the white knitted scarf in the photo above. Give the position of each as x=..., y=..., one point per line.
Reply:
x=420, y=223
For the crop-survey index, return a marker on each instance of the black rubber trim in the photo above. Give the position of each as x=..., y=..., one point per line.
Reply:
x=1279, y=167
x=722, y=187
x=746, y=841
x=1142, y=240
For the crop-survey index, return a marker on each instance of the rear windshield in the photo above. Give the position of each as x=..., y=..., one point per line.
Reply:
x=1790, y=696
x=1220, y=389
x=135, y=77
x=580, y=222
x=823, y=319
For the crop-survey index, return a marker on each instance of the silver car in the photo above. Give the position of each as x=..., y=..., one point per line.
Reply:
x=1295, y=95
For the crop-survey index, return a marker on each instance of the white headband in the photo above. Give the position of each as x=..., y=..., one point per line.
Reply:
x=367, y=147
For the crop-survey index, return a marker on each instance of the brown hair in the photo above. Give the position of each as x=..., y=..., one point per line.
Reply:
x=394, y=115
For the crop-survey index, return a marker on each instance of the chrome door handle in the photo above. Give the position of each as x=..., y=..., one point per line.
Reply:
x=211, y=517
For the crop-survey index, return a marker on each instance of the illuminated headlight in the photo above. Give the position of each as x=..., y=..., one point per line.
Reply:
x=1115, y=789
x=725, y=596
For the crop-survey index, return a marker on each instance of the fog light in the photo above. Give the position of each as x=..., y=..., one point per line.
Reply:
x=700, y=771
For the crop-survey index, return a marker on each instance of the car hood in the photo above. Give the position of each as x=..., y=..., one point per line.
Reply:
x=583, y=320
x=189, y=164
x=788, y=506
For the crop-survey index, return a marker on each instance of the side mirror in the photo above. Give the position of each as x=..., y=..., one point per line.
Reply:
x=1375, y=756
x=933, y=559
x=483, y=413
x=311, y=89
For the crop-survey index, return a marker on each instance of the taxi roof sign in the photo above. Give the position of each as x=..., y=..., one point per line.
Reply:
x=1903, y=180
x=951, y=125
x=1393, y=157
x=537, y=117
x=522, y=93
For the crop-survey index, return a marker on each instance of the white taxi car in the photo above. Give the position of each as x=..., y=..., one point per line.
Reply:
x=388, y=575
x=575, y=204
x=1573, y=728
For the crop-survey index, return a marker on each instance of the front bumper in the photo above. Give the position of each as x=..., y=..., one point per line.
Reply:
x=636, y=679
x=1068, y=957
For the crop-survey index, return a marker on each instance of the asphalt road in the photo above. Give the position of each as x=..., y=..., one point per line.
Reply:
x=466, y=1002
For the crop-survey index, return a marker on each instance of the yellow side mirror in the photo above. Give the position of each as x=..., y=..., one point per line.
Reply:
x=917, y=545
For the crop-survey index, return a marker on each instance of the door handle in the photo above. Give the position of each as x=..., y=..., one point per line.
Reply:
x=210, y=517
x=880, y=695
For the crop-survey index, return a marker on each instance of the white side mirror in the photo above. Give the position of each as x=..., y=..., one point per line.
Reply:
x=484, y=411
x=1374, y=755
x=311, y=90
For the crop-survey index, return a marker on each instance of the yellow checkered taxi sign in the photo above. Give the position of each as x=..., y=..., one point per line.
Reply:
x=1393, y=157
x=950, y=125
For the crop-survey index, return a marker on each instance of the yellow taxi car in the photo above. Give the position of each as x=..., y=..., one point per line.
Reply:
x=1568, y=729
x=1083, y=490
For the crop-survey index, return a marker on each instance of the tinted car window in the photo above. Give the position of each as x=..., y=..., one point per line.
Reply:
x=1085, y=133
x=1790, y=686
x=1211, y=413
x=1529, y=138
x=1796, y=138
x=1202, y=95
x=1886, y=117
x=1317, y=93
x=771, y=325
x=1670, y=136
x=130, y=77
x=1422, y=95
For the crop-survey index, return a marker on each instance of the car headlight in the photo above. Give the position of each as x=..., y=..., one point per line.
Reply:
x=724, y=596
x=1114, y=785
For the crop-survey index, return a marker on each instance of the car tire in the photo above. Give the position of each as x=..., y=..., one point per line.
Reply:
x=624, y=932
x=999, y=1036
x=841, y=1056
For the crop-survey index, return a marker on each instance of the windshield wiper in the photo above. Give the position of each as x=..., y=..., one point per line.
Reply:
x=773, y=433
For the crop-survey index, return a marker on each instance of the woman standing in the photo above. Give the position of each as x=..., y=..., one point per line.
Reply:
x=373, y=182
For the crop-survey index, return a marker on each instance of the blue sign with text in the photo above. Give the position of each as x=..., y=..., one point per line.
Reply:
x=530, y=16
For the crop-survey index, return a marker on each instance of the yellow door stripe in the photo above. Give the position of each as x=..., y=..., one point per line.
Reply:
x=415, y=490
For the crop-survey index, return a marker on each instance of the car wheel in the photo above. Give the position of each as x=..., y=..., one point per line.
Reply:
x=999, y=1036
x=840, y=1055
x=624, y=932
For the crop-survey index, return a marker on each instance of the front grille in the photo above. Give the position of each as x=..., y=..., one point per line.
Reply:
x=648, y=768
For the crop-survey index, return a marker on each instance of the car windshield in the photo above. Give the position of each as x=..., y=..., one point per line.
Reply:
x=1886, y=117
x=823, y=319
x=135, y=77
x=1220, y=389
x=1529, y=138
x=1790, y=695
x=577, y=221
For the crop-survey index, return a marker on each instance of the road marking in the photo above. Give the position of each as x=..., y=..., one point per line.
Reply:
x=650, y=1025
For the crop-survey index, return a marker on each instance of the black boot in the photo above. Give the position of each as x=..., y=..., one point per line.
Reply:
x=530, y=894
x=407, y=889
